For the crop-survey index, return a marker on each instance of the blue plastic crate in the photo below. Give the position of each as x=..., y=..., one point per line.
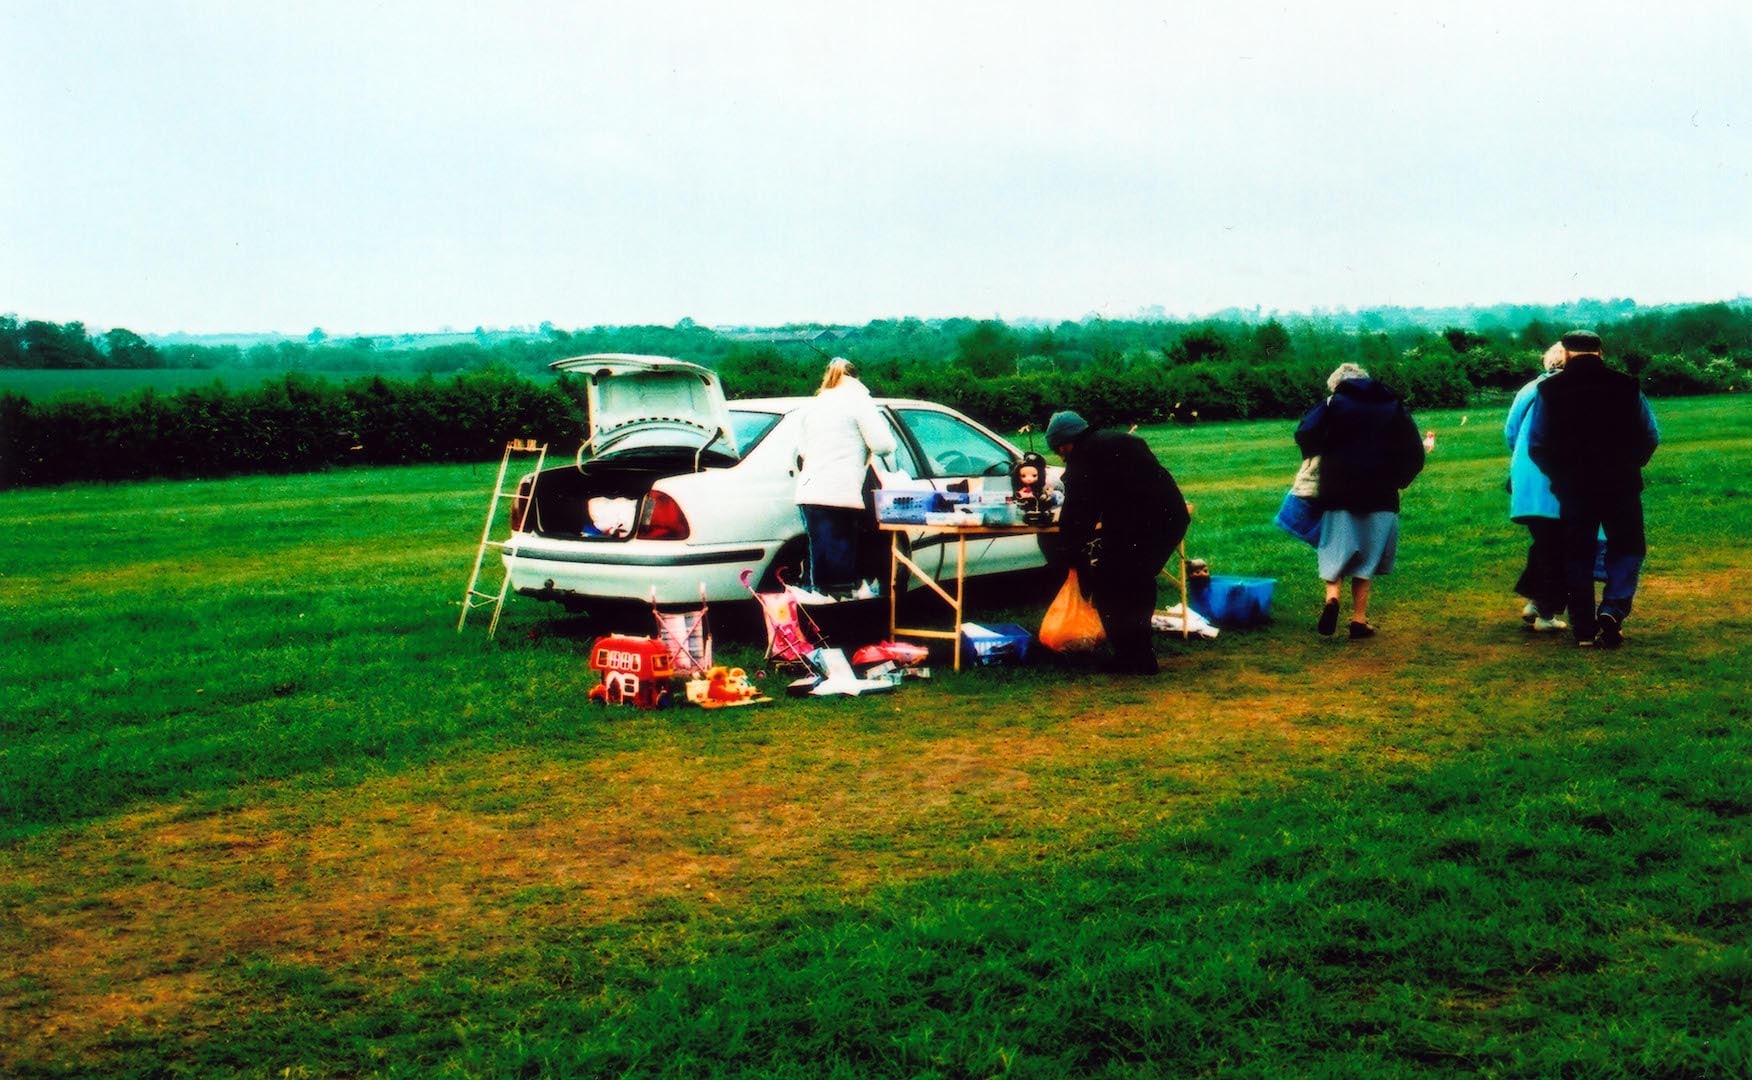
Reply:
x=903, y=507
x=1232, y=601
x=984, y=644
x=908, y=506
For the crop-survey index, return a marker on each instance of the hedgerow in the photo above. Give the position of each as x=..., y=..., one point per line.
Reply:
x=294, y=423
x=1124, y=376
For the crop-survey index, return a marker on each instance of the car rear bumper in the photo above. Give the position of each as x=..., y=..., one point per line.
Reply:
x=631, y=569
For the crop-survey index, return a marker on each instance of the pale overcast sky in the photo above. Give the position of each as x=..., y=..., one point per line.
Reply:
x=378, y=167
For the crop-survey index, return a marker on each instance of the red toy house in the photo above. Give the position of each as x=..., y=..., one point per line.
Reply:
x=635, y=671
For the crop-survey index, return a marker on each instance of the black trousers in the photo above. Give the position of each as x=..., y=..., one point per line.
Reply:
x=1125, y=597
x=1543, y=580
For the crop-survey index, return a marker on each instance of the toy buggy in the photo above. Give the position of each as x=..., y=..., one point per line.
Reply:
x=791, y=634
x=686, y=635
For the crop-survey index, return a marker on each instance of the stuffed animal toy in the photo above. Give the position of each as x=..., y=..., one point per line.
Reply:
x=721, y=687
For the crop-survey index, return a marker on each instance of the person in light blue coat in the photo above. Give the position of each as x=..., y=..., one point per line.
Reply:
x=1532, y=504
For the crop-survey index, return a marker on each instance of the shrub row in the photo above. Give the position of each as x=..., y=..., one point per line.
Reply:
x=300, y=422
x=1153, y=393
x=292, y=424
x=1146, y=393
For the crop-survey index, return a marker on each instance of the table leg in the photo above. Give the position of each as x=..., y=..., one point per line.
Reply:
x=960, y=586
x=893, y=581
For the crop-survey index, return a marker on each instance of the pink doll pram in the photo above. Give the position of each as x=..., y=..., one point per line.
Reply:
x=791, y=634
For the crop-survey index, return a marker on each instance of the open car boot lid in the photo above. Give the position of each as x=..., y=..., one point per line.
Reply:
x=652, y=403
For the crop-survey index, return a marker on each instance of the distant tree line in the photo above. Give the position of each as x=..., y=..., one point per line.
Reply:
x=1113, y=371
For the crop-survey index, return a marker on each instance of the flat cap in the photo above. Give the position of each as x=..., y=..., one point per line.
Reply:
x=1581, y=341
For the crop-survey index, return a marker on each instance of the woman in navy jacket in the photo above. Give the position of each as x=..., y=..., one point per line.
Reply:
x=1369, y=452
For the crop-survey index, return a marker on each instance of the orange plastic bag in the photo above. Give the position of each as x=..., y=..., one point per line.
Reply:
x=1071, y=623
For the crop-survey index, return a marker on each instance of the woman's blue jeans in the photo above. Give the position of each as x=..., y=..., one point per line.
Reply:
x=833, y=546
x=1621, y=518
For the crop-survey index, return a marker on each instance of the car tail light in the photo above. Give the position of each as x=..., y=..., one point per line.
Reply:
x=661, y=519
x=520, y=504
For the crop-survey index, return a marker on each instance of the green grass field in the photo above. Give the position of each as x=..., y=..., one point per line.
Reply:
x=264, y=812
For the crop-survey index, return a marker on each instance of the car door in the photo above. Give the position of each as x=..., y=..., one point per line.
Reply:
x=951, y=450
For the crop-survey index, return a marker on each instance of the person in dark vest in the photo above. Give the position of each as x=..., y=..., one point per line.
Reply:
x=1592, y=433
x=1113, y=480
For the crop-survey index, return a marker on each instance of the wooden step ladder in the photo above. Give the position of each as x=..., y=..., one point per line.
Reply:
x=476, y=596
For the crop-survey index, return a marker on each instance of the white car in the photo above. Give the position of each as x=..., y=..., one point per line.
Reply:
x=676, y=491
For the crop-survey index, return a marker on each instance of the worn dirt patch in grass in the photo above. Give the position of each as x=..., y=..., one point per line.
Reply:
x=403, y=871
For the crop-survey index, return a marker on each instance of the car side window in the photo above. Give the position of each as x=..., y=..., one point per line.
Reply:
x=953, y=447
x=903, y=454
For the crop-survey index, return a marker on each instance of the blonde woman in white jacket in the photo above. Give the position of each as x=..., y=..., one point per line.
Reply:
x=842, y=430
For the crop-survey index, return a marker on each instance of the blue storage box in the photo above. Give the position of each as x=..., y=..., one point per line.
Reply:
x=909, y=506
x=1232, y=601
x=994, y=643
x=903, y=507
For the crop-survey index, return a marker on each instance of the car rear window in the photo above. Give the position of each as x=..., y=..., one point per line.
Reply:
x=751, y=427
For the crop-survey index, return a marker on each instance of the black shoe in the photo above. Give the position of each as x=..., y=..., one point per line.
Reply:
x=1328, y=619
x=1611, y=633
x=1361, y=630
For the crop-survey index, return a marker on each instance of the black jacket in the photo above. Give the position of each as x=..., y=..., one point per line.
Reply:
x=1368, y=445
x=1114, y=479
x=1591, y=431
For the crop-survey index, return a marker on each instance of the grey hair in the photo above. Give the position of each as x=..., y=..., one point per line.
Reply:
x=1346, y=370
x=1554, y=357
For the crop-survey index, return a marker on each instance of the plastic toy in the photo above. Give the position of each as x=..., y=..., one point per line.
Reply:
x=722, y=687
x=790, y=631
x=635, y=671
x=1032, y=490
x=686, y=635
x=903, y=653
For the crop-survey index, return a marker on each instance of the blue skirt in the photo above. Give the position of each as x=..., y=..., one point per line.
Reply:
x=1357, y=545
